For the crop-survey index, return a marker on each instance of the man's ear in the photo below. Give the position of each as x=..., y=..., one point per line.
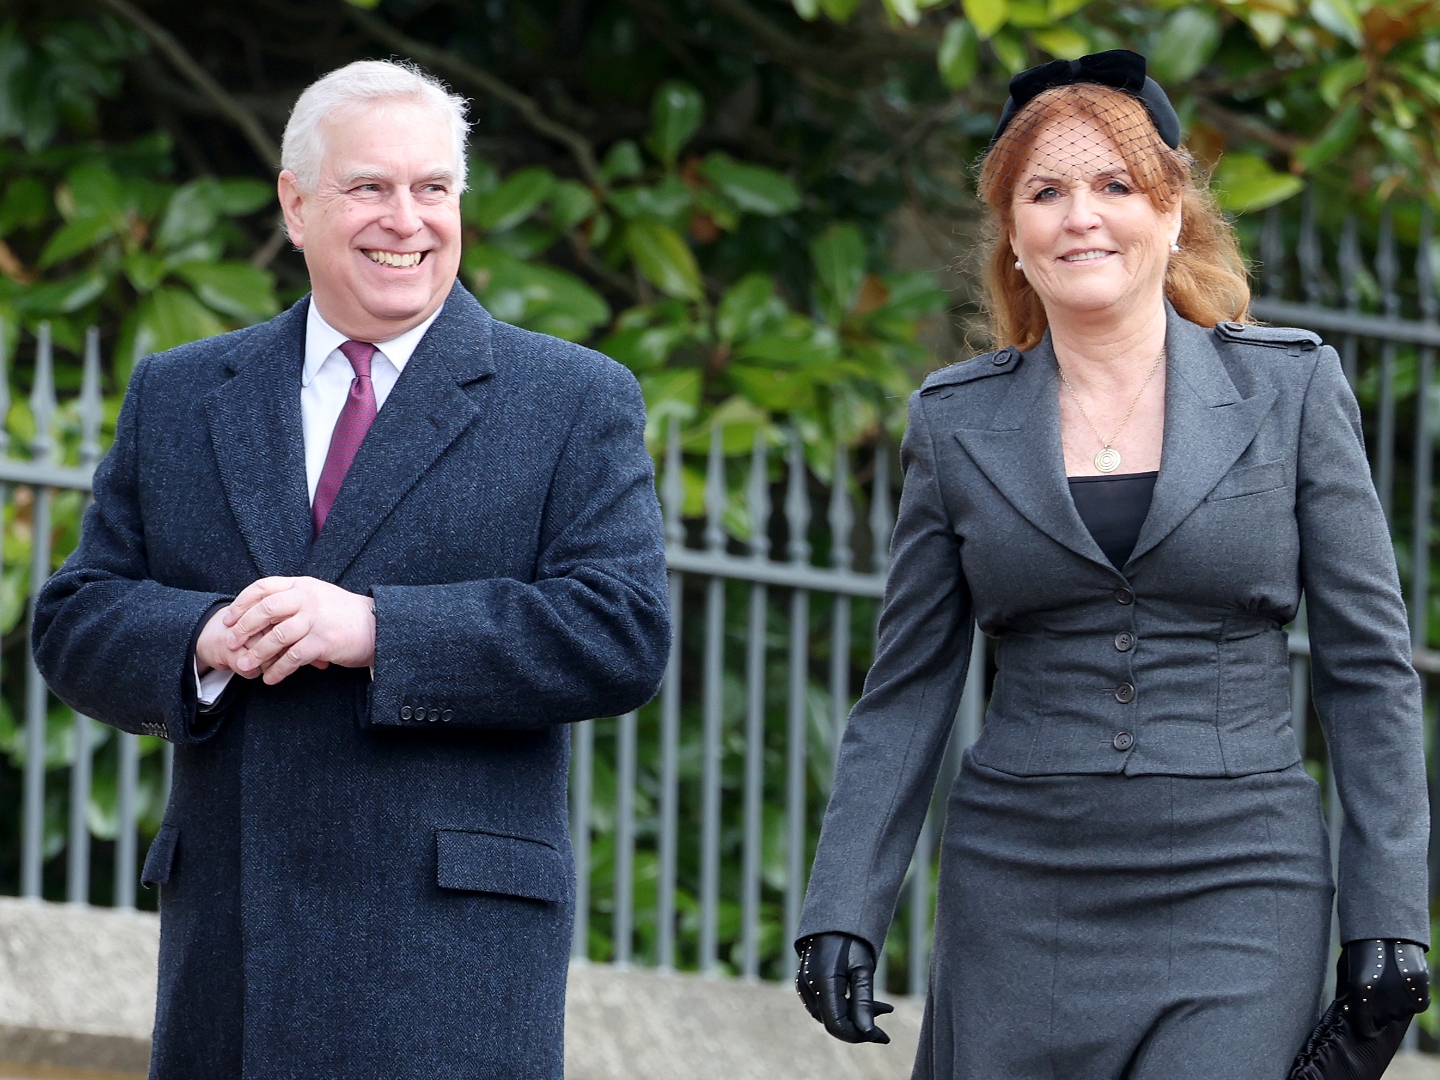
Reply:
x=292, y=205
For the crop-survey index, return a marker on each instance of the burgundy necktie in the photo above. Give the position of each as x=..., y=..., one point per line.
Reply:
x=355, y=420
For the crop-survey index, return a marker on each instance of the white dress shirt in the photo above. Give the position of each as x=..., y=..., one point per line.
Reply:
x=324, y=385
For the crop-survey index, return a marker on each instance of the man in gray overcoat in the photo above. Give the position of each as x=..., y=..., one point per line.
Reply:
x=424, y=541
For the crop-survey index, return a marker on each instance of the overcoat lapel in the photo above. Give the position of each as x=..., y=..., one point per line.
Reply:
x=255, y=429
x=1020, y=452
x=423, y=415
x=1208, y=425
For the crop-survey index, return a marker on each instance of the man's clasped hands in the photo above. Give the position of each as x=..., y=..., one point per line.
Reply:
x=280, y=624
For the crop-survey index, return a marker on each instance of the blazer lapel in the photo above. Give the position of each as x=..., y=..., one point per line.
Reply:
x=255, y=429
x=1021, y=454
x=1208, y=425
x=423, y=415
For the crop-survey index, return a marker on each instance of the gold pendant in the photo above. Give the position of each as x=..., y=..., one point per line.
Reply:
x=1107, y=460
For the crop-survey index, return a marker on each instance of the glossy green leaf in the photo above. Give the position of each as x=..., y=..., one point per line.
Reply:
x=193, y=211
x=1063, y=42
x=780, y=390
x=809, y=10
x=673, y=392
x=903, y=11
x=839, y=10
x=237, y=289
x=1184, y=45
x=642, y=348
x=663, y=256
x=1010, y=51
x=74, y=237
x=675, y=115
x=667, y=201
x=517, y=197
x=91, y=190
x=749, y=307
x=63, y=297
x=1268, y=26
x=1340, y=77
x=571, y=202
x=913, y=293
x=1340, y=18
x=753, y=188
x=173, y=316
x=1337, y=137
x=244, y=196
x=622, y=162
x=145, y=270
x=1059, y=9
x=958, y=57
x=26, y=204
x=1245, y=183
x=1029, y=14
x=839, y=257
x=987, y=16
x=533, y=295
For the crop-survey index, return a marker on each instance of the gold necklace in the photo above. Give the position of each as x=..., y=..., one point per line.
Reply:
x=1107, y=459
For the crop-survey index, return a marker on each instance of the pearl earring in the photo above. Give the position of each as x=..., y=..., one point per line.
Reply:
x=1018, y=266
x=1175, y=248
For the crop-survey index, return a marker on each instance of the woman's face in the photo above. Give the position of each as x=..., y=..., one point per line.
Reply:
x=1087, y=238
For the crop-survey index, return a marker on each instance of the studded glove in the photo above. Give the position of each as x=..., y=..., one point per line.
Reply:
x=836, y=981
x=1380, y=982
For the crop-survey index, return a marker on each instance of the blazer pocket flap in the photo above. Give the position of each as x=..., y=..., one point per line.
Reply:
x=160, y=859
x=509, y=865
x=1251, y=480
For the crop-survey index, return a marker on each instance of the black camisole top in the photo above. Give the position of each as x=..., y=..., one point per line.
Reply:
x=1113, y=509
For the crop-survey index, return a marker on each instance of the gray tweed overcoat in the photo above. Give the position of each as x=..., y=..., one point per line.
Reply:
x=1174, y=665
x=370, y=877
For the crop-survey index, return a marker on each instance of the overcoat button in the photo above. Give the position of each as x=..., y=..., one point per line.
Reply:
x=1124, y=693
x=434, y=715
x=1235, y=326
x=1123, y=741
x=446, y=715
x=406, y=712
x=1124, y=641
x=1124, y=596
x=1001, y=358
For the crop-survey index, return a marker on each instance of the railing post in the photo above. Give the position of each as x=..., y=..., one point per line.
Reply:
x=712, y=689
x=842, y=520
x=1387, y=271
x=582, y=778
x=673, y=493
x=758, y=503
x=37, y=695
x=797, y=511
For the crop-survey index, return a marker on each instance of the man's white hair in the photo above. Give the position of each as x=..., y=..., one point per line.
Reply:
x=365, y=82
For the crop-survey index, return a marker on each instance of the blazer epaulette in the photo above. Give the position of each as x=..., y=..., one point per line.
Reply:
x=1290, y=338
x=977, y=367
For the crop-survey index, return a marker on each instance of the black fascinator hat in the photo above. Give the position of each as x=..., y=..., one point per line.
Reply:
x=1118, y=68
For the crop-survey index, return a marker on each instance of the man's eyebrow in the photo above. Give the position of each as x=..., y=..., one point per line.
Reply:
x=362, y=176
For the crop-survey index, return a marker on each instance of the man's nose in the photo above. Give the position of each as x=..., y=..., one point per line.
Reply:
x=402, y=216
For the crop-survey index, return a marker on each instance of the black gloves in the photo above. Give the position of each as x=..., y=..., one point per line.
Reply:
x=1380, y=982
x=1379, y=986
x=836, y=981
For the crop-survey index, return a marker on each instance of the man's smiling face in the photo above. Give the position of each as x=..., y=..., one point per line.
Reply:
x=381, y=230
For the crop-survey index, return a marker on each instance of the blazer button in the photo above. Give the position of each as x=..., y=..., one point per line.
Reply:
x=434, y=715
x=406, y=712
x=1001, y=358
x=446, y=715
x=1123, y=741
x=1124, y=596
x=1124, y=693
x=1124, y=641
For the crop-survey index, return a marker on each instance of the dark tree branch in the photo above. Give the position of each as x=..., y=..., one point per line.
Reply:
x=248, y=123
x=460, y=69
x=1234, y=123
x=786, y=46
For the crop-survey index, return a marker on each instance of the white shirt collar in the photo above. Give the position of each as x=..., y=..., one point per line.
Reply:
x=322, y=339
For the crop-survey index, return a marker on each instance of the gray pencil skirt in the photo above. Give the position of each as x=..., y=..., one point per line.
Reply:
x=1127, y=928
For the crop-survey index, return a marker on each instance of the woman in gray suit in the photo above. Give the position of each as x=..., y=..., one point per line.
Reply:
x=1131, y=497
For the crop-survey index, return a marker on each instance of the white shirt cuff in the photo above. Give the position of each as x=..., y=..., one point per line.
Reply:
x=211, y=685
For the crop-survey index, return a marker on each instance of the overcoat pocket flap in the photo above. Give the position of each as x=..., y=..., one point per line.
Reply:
x=510, y=865
x=161, y=857
x=1250, y=480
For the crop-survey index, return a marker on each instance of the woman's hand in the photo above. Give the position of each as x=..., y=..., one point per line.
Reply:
x=1380, y=982
x=836, y=981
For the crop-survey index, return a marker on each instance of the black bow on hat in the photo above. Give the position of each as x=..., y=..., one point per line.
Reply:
x=1120, y=68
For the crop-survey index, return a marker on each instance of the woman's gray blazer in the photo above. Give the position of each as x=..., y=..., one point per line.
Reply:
x=1175, y=664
